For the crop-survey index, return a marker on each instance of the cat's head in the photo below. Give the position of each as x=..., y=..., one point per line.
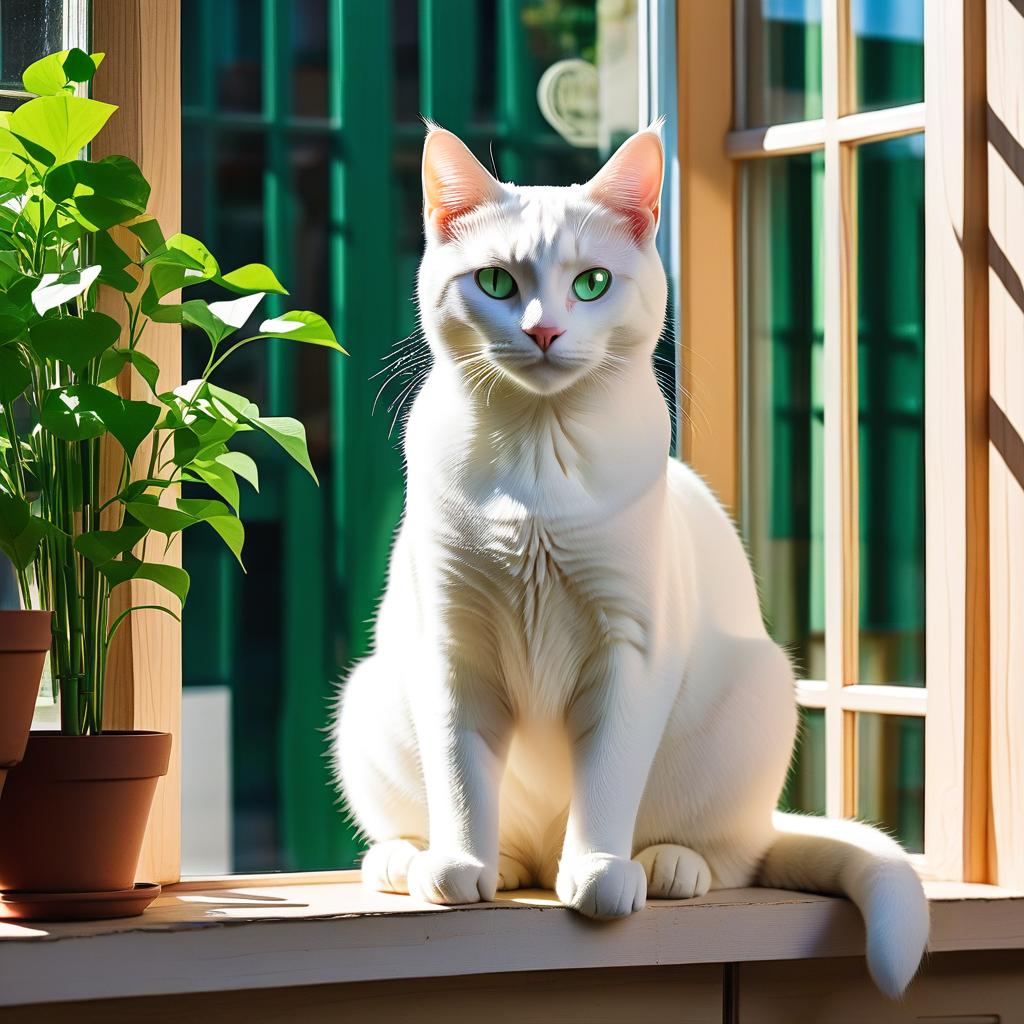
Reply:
x=545, y=285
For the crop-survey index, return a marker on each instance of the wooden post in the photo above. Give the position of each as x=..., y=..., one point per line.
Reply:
x=709, y=427
x=1005, y=133
x=956, y=385
x=141, y=75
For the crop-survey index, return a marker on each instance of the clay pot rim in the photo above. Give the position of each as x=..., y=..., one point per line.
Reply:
x=18, y=905
x=25, y=629
x=108, y=756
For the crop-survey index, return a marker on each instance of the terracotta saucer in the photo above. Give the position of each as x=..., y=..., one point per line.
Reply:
x=77, y=906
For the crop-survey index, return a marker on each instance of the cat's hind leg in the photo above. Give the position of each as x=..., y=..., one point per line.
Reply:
x=377, y=766
x=674, y=872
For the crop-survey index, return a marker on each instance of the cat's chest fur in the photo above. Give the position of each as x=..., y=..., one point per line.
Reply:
x=538, y=592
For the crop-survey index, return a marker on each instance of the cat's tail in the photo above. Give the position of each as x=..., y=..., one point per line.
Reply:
x=852, y=859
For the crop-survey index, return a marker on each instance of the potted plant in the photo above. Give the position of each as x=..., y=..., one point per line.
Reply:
x=73, y=814
x=24, y=641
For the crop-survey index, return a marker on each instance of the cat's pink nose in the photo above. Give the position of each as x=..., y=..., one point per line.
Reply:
x=543, y=337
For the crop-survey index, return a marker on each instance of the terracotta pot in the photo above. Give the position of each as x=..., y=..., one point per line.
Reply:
x=24, y=640
x=74, y=812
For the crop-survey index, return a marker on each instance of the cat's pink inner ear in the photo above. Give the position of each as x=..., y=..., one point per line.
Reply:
x=630, y=183
x=454, y=181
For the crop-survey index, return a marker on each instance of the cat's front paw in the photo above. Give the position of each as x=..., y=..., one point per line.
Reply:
x=674, y=872
x=602, y=886
x=386, y=865
x=512, y=874
x=448, y=879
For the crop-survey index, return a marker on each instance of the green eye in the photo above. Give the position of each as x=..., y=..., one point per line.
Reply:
x=592, y=284
x=496, y=282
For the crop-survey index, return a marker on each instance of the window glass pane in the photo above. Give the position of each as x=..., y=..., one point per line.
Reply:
x=235, y=49
x=309, y=57
x=805, y=786
x=890, y=367
x=783, y=463
x=888, y=40
x=340, y=219
x=780, y=62
x=890, y=775
x=29, y=30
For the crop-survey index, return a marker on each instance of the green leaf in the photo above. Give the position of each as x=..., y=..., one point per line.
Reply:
x=290, y=434
x=47, y=76
x=14, y=373
x=232, y=532
x=54, y=290
x=75, y=340
x=253, y=277
x=113, y=260
x=137, y=488
x=148, y=233
x=20, y=530
x=115, y=360
x=12, y=320
x=186, y=445
x=169, y=313
x=79, y=66
x=82, y=411
x=169, y=521
x=182, y=260
x=300, y=325
x=238, y=405
x=129, y=421
x=102, y=193
x=197, y=313
x=161, y=518
x=69, y=414
x=242, y=465
x=100, y=546
x=59, y=125
x=53, y=73
x=128, y=567
x=216, y=476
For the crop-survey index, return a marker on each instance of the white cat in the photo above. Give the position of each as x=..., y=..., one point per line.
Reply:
x=572, y=685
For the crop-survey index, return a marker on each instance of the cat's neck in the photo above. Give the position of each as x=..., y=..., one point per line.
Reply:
x=607, y=435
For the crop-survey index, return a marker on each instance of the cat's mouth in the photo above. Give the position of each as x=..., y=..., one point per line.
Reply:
x=542, y=373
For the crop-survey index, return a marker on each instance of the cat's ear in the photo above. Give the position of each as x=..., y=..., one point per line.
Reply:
x=454, y=181
x=630, y=183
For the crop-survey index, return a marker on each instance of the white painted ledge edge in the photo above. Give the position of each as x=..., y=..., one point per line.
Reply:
x=305, y=930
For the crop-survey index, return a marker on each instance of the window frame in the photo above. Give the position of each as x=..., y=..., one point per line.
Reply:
x=955, y=701
x=144, y=675
x=962, y=779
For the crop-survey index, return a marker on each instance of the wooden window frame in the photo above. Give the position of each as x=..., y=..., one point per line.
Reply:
x=142, y=77
x=974, y=821
x=955, y=703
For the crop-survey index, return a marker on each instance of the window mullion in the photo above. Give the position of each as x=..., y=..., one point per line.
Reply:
x=840, y=385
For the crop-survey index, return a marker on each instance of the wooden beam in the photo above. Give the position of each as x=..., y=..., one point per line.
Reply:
x=141, y=75
x=805, y=136
x=1005, y=134
x=709, y=430
x=842, y=602
x=956, y=786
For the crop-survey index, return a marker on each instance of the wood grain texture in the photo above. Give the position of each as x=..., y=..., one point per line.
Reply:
x=1005, y=123
x=273, y=936
x=842, y=600
x=141, y=75
x=956, y=384
x=654, y=995
x=952, y=988
x=708, y=347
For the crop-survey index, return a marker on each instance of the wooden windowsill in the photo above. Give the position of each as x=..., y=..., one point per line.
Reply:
x=272, y=932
